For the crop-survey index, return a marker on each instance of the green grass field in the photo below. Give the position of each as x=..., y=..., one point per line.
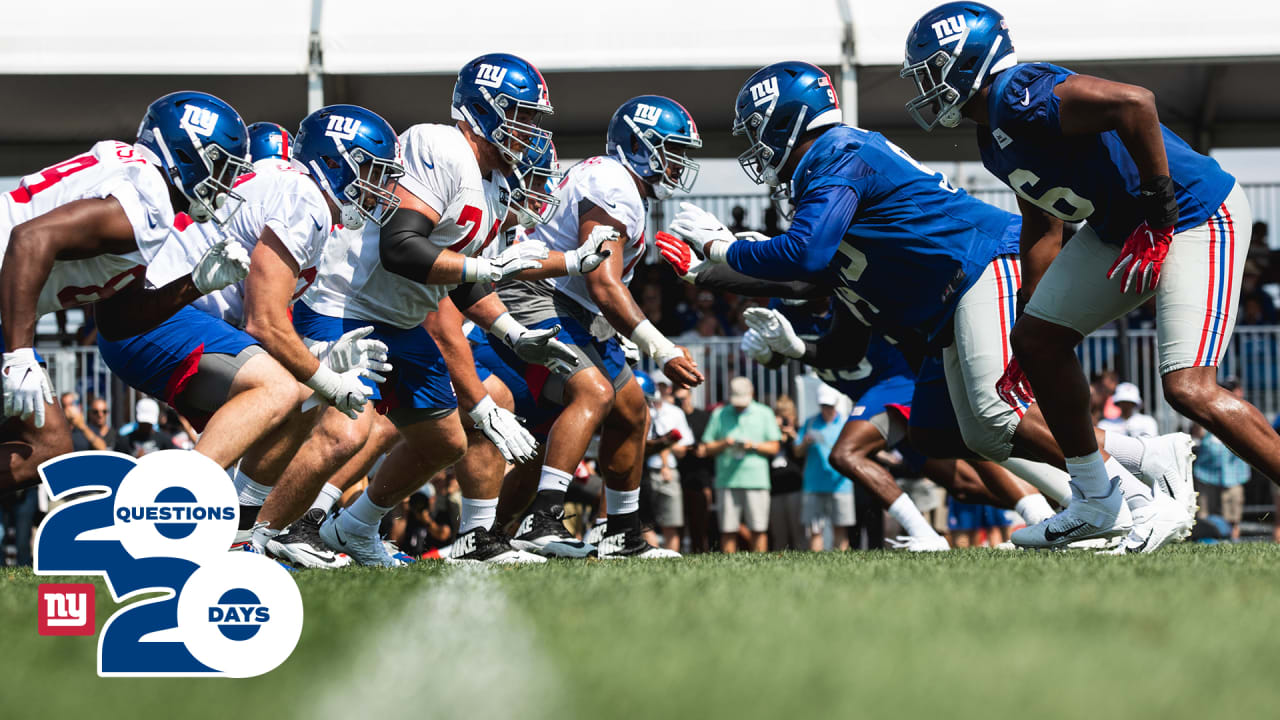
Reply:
x=1190, y=632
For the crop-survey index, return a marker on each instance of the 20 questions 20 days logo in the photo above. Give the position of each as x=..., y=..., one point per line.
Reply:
x=163, y=524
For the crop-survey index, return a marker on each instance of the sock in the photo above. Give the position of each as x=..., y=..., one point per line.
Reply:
x=1049, y=480
x=251, y=493
x=1033, y=509
x=1127, y=450
x=1089, y=473
x=366, y=512
x=248, y=516
x=551, y=488
x=1136, y=493
x=477, y=513
x=909, y=517
x=328, y=497
x=624, y=509
x=262, y=535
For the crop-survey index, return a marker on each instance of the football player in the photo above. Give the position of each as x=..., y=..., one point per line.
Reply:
x=872, y=220
x=269, y=141
x=83, y=231
x=1159, y=219
x=604, y=197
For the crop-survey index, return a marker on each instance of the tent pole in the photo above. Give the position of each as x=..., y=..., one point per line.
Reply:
x=315, y=68
x=848, y=65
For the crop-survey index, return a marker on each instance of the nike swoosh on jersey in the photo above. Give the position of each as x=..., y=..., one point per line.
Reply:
x=1026, y=99
x=428, y=165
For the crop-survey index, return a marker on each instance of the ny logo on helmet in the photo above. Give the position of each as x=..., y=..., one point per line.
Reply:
x=764, y=90
x=199, y=120
x=949, y=29
x=342, y=128
x=490, y=75
x=647, y=114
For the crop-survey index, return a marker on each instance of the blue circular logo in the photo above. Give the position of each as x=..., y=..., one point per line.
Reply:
x=239, y=614
x=175, y=530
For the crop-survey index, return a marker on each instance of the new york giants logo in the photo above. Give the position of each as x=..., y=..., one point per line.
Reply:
x=342, y=128
x=764, y=90
x=65, y=609
x=199, y=120
x=490, y=75
x=949, y=29
x=647, y=114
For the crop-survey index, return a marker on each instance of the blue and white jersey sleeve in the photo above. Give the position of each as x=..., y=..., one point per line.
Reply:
x=822, y=218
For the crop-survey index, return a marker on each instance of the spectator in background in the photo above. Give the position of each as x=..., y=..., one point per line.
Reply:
x=786, y=483
x=95, y=432
x=1106, y=382
x=1220, y=476
x=1128, y=400
x=670, y=438
x=697, y=475
x=739, y=224
x=828, y=495
x=147, y=437
x=1261, y=254
x=771, y=226
x=969, y=522
x=18, y=510
x=742, y=436
x=1263, y=311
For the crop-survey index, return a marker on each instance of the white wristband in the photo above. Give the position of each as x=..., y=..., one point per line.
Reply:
x=653, y=343
x=474, y=269
x=324, y=381
x=572, y=264
x=25, y=353
x=507, y=328
x=718, y=251
x=482, y=408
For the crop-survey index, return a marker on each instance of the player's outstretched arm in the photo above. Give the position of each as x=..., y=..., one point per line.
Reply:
x=589, y=256
x=723, y=278
x=81, y=229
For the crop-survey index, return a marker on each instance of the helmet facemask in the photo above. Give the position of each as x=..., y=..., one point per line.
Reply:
x=666, y=153
x=757, y=161
x=372, y=194
x=213, y=198
x=938, y=102
x=520, y=130
x=532, y=198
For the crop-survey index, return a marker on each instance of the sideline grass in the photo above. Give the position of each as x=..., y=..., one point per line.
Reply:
x=1192, y=631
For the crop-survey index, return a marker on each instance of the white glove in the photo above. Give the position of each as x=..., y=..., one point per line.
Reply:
x=343, y=390
x=703, y=231
x=504, y=430
x=755, y=346
x=525, y=255
x=589, y=255
x=353, y=352
x=751, y=236
x=226, y=263
x=776, y=330
x=26, y=386
x=541, y=347
x=630, y=351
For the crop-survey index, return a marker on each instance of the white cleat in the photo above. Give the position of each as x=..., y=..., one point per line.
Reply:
x=344, y=533
x=302, y=545
x=1164, y=521
x=1086, y=518
x=1166, y=463
x=923, y=543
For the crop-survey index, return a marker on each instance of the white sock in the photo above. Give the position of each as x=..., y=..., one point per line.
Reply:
x=909, y=517
x=1089, y=473
x=1033, y=509
x=1049, y=480
x=328, y=497
x=1137, y=494
x=477, y=513
x=365, y=511
x=251, y=493
x=622, y=502
x=263, y=534
x=1127, y=450
x=553, y=479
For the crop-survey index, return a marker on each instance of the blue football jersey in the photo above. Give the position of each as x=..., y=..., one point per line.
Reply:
x=1083, y=177
x=910, y=249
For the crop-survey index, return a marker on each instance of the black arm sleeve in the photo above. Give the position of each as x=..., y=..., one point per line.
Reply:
x=726, y=279
x=842, y=347
x=404, y=247
x=468, y=294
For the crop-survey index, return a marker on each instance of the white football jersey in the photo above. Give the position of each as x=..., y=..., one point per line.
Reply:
x=277, y=195
x=109, y=169
x=441, y=170
x=608, y=185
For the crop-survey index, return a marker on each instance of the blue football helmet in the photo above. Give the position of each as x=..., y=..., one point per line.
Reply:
x=951, y=53
x=201, y=144
x=533, y=187
x=503, y=99
x=268, y=140
x=774, y=108
x=652, y=135
x=646, y=384
x=355, y=156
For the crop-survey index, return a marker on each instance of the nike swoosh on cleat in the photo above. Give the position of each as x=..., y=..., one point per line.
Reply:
x=1052, y=536
x=1143, y=546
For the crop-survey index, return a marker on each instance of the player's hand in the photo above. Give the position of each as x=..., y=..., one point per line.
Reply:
x=541, y=347
x=756, y=347
x=354, y=351
x=1013, y=386
x=681, y=370
x=590, y=254
x=226, y=263
x=1141, y=257
x=27, y=388
x=526, y=255
x=504, y=430
x=344, y=390
x=678, y=255
x=776, y=330
x=630, y=351
x=703, y=231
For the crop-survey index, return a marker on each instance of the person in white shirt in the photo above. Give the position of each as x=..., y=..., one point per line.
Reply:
x=1131, y=422
x=670, y=437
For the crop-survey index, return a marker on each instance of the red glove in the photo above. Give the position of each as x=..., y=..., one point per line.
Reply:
x=677, y=253
x=1141, y=257
x=1013, y=387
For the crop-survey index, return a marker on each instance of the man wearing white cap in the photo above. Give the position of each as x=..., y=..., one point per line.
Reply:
x=742, y=436
x=147, y=437
x=1131, y=422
